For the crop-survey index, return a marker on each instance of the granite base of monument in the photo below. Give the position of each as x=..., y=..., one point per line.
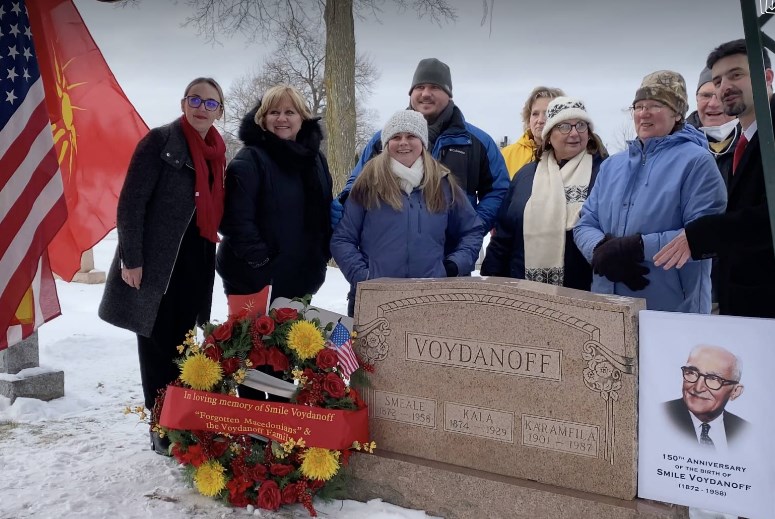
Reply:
x=456, y=492
x=22, y=377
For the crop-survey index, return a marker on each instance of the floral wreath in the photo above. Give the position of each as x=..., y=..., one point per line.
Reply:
x=246, y=470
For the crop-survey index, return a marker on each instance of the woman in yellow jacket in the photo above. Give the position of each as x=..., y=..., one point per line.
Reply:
x=533, y=120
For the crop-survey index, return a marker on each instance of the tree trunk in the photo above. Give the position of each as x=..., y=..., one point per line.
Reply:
x=340, y=89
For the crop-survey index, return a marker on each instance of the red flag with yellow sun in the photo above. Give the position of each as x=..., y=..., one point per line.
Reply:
x=95, y=128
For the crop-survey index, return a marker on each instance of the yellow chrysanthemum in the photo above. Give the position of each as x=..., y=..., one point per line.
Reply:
x=320, y=463
x=209, y=479
x=199, y=372
x=305, y=339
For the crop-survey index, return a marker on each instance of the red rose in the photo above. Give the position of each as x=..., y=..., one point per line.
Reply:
x=326, y=358
x=281, y=470
x=223, y=331
x=230, y=365
x=257, y=356
x=277, y=359
x=264, y=325
x=258, y=472
x=213, y=353
x=290, y=494
x=269, y=495
x=334, y=385
x=283, y=315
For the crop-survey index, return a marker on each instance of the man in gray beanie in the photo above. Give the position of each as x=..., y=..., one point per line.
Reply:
x=470, y=154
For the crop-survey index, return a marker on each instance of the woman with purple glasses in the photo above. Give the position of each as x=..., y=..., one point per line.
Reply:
x=160, y=284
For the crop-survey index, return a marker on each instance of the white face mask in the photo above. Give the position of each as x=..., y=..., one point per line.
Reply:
x=720, y=133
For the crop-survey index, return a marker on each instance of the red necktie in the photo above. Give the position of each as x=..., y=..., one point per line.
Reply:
x=739, y=149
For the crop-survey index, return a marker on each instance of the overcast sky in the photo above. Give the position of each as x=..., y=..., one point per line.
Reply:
x=598, y=50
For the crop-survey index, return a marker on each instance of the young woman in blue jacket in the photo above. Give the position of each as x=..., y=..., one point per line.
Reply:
x=405, y=216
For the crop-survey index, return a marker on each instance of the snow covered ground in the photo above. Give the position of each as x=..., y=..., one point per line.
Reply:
x=80, y=456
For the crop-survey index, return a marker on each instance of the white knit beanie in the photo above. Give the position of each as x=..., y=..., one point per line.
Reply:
x=563, y=109
x=406, y=121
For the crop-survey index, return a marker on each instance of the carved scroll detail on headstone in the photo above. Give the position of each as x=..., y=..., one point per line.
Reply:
x=603, y=375
x=371, y=342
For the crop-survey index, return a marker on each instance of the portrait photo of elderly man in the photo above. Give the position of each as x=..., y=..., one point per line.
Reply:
x=711, y=379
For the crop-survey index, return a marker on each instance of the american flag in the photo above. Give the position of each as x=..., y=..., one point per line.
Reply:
x=342, y=344
x=32, y=204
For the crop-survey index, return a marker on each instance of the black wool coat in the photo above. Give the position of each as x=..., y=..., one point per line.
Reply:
x=155, y=207
x=276, y=225
x=741, y=239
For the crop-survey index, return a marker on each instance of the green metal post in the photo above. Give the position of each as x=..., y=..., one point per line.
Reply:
x=755, y=41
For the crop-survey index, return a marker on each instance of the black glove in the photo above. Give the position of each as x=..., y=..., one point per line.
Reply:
x=451, y=268
x=619, y=260
x=637, y=279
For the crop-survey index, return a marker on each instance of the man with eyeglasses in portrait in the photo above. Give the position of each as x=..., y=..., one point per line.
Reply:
x=711, y=379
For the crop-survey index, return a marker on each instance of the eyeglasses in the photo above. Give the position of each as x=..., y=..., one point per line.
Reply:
x=707, y=96
x=654, y=109
x=565, y=128
x=714, y=382
x=211, y=105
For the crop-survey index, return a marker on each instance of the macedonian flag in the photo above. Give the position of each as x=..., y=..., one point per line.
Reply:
x=95, y=128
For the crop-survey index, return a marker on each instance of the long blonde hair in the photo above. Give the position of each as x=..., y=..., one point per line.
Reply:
x=377, y=183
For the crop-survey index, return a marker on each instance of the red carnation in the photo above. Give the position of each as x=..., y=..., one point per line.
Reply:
x=290, y=494
x=283, y=315
x=269, y=495
x=326, y=358
x=257, y=356
x=334, y=385
x=194, y=455
x=264, y=325
x=356, y=397
x=237, y=487
x=277, y=359
x=281, y=470
x=223, y=331
x=230, y=365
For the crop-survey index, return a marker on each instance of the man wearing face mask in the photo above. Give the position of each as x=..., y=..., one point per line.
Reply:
x=722, y=130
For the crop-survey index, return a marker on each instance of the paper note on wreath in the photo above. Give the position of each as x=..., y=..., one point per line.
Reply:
x=215, y=412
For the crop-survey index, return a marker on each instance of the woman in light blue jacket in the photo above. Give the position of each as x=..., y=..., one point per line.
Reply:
x=405, y=216
x=645, y=195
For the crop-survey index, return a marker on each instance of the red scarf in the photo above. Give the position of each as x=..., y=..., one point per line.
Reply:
x=209, y=156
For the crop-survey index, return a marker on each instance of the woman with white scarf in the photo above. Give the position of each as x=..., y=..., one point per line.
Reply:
x=405, y=216
x=534, y=230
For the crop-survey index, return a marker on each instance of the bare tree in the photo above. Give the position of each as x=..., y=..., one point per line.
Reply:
x=299, y=60
x=625, y=132
x=256, y=17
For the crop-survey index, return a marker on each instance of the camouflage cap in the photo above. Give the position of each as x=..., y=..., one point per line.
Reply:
x=667, y=87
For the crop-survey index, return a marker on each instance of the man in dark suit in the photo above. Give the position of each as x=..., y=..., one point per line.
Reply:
x=740, y=237
x=711, y=378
